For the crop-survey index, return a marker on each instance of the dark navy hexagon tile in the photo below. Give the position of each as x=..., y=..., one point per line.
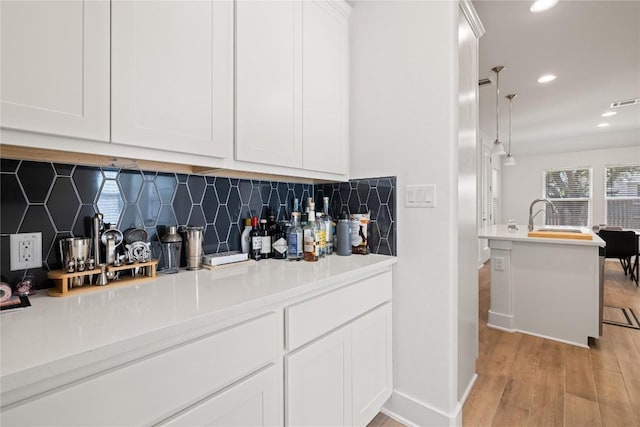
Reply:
x=210, y=204
x=245, y=188
x=63, y=204
x=182, y=204
x=63, y=169
x=37, y=219
x=88, y=182
x=149, y=176
x=197, y=185
x=223, y=189
x=83, y=224
x=110, y=203
x=182, y=178
x=210, y=240
x=13, y=204
x=223, y=223
x=130, y=184
x=167, y=217
x=9, y=165
x=166, y=184
x=36, y=179
x=53, y=257
x=234, y=204
x=211, y=180
x=384, y=189
x=131, y=217
x=255, y=203
x=265, y=191
x=196, y=218
x=149, y=204
x=110, y=173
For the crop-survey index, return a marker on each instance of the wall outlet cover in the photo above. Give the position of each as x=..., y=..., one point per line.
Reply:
x=25, y=251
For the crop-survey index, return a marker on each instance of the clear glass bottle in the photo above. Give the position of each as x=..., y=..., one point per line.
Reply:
x=294, y=238
x=322, y=236
x=171, y=246
x=330, y=226
x=310, y=235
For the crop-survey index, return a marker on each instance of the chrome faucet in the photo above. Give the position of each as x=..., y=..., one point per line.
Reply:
x=532, y=215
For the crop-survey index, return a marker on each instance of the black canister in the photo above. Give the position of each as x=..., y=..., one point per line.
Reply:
x=343, y=235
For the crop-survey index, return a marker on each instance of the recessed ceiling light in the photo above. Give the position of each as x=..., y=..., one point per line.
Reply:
x=546, y=78
x=609, y=114
x=542, y=5
x=603, y=125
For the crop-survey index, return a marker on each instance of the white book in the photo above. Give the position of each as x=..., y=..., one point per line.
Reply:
x=222, y=258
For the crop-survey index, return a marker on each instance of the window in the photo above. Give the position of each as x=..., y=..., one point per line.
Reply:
x=570, y=192
x=622, y=196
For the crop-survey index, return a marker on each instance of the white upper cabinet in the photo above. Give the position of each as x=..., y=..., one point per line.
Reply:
x=325, y=106
x=269, y=82
x=55, y=67
x=172, y=75
x=292, y=84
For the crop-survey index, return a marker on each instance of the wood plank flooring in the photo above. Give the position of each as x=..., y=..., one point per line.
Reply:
x=529, y=381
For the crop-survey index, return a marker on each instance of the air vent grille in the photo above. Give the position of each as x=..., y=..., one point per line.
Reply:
x=625, y=103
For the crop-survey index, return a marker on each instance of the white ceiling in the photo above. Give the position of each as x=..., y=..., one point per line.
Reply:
x=594, y=49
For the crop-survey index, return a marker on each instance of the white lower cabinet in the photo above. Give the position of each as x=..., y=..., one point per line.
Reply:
x=343, y=378
x=253, y=402
x=159, y=386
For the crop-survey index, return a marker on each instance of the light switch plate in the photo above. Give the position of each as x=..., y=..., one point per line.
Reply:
x=25, y=251
x=421, y=196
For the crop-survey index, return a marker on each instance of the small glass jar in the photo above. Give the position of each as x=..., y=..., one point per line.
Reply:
x=171, y=248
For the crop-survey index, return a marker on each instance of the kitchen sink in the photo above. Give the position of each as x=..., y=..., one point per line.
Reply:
x=560, y=230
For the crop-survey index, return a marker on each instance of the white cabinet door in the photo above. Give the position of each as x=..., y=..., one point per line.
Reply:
x=318, y=382
x=269, y=82
x=253, y=402
x=372, y=367
x=55, y=67
x=325, y=87
x=172, y=75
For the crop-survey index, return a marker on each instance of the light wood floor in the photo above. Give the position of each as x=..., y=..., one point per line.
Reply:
x=529, y=381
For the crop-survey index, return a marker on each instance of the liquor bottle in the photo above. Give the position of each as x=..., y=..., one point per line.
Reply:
x=279, y=239
x=310, y=236
x=265, y=251
x=329, y=224
x=294, y=238
x=245, y=238
x=256, y=240
x=322, y=236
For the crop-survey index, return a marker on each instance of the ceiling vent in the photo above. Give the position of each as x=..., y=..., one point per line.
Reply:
x=625, y=103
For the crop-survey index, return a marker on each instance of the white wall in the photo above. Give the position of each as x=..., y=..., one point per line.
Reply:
x=521, y=184
x=403, y=119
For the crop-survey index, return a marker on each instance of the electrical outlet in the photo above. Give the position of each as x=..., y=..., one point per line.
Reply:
x=25, y=251
x=499, y=261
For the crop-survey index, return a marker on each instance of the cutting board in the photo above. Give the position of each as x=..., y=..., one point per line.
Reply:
x=560, y=235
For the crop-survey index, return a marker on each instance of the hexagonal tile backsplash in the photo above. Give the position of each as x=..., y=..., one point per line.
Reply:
x=59, y=200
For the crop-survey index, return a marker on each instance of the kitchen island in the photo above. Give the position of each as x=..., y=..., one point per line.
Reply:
x=545, y=286
x=204, y=345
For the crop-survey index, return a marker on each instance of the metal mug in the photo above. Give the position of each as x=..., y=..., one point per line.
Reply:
x=193, y=246
x=72, y=250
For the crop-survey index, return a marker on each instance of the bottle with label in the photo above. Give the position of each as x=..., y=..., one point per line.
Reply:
x=294, y=238
x=265, y=250
x=310, y=236
x=245, y=238
x=279, y=238
x=256, y=240
x=329, y=224
x=322, y=236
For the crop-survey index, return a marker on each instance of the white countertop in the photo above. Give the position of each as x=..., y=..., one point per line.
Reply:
x=56, y=334
x=500, y=232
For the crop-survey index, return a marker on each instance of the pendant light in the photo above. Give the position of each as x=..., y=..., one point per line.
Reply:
x=498, y=146
x=509, y=159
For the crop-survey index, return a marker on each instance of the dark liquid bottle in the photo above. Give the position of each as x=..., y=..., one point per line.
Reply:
x=255, y=248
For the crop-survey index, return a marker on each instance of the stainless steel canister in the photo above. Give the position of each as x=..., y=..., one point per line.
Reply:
x=343, y=236
x=75, y=251
x=193, y=246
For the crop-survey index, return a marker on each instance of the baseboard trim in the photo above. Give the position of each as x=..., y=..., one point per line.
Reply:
x=500, y=321
x=412, y=412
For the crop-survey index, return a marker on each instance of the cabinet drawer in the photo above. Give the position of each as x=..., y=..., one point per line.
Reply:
x=156, y=387
x=312, y=318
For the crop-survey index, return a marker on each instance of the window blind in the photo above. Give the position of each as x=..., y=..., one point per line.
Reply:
x=570, y=192
x=622, y=196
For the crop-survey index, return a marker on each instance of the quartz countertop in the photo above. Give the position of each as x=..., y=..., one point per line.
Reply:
x=56, y=334
x=500, y=232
